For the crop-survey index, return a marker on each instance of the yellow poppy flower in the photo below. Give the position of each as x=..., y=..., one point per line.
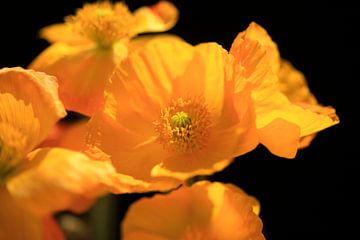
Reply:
x=204, y=211
x=35, y=184
x=280, y=122
x=181, y=117
x=88, y=46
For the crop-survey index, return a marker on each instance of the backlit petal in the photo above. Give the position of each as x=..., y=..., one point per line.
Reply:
x=273, y=105
x=61, y=32
x=30, y=95
x=280, y=137
x=157, y=18
x=203, y=211
x=256, y=58
x=67, y=135
x=18, y=224
x=56, y=178
x=82, y=72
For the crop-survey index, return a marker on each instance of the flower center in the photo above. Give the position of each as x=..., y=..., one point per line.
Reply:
x=184, y=126
x=103, y=22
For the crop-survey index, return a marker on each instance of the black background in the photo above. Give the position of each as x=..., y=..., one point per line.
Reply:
x=311, y=197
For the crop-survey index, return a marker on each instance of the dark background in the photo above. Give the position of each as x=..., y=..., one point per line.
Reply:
x=310, y=197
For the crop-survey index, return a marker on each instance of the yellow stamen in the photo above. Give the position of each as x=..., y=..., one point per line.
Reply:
x=103, y=22
x=184, y=125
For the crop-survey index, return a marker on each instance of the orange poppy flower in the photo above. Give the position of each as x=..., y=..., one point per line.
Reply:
x=88, y=46
x=35, y=184
x=280, y=122
x=204, y=211
x=181, y=117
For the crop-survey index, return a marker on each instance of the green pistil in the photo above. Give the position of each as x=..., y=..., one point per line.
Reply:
x=180, y=119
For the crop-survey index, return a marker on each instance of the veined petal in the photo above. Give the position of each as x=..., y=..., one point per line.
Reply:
x=30, y=95
x=19, y=132
x=157, y=18
x=16, y=223
x=205, y=76
x=241, y=210
x=56, y=178
x=132, y=155
x=257, y=33
x=255, y=58
x=145, y=81
x=82, y=72
x=61, y=32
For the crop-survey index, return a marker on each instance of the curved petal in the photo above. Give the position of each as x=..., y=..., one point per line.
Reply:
x=293, y=84
x=257, y=33
x=204, y=76
x=61, y=32
x=144, y=82
x=195, y=213
x=226, y=141
x=241, y=210
x=17, y=137
x=30, y=95
x=69, y=136
x=256, y=59
x=280, y=137
x=56, y=178
x=273, y=105
x=16, y=223
x=82, y=73
x=132, y=154
x=157, y=18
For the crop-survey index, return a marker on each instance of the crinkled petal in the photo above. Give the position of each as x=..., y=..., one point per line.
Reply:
x=56, y=178
x=241, y=210
x=30, y=95
x=293, y=84
x=157, y=18
x=205, y=76
x=131, y=154
x=61, y=32
x=272, y=105
x=82, y=73
x=18, y=224
x=231, y=137
x=204, y=211
x=255, y=58
x=257, y=33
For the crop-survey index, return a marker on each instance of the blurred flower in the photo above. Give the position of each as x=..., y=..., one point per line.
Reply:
x=88, y=46
x=67, y=135
x=171, y=113
x=204, y=211
x=280, y=122
x=35, y=184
